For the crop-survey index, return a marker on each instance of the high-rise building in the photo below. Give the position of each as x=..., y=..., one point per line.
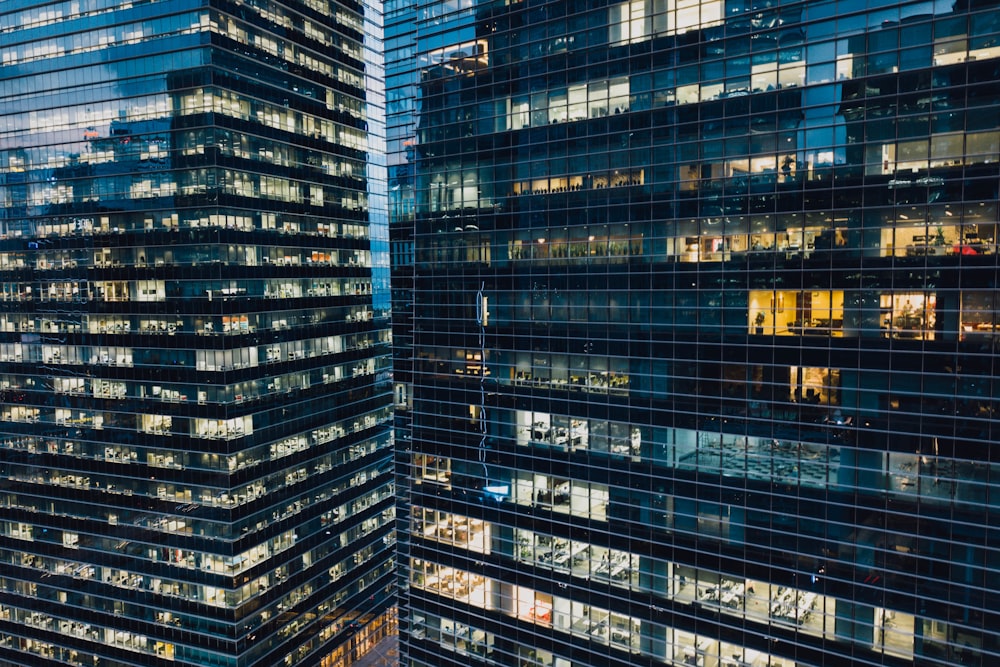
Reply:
x=401, y=96
x=195, y=428
x=705, y=330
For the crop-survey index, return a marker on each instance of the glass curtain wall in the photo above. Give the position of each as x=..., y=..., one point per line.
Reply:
x=704, y=334
x=194, y=345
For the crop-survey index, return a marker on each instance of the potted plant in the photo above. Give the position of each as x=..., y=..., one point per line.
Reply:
x=759, y=322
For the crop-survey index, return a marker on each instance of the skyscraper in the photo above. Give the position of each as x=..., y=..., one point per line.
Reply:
x=705, y=322
x=195, y=437
x=401, y=100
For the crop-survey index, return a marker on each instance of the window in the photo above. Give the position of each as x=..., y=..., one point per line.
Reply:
x=792, y=313
x=909, y=315
x=461, y=531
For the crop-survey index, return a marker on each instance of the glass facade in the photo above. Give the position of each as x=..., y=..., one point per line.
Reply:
x=195, y=426
x=704, y=334
x=401, y=94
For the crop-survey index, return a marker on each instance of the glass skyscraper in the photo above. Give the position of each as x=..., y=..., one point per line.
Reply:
x=705, y=326
x=401, y=103
x=195, y=426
